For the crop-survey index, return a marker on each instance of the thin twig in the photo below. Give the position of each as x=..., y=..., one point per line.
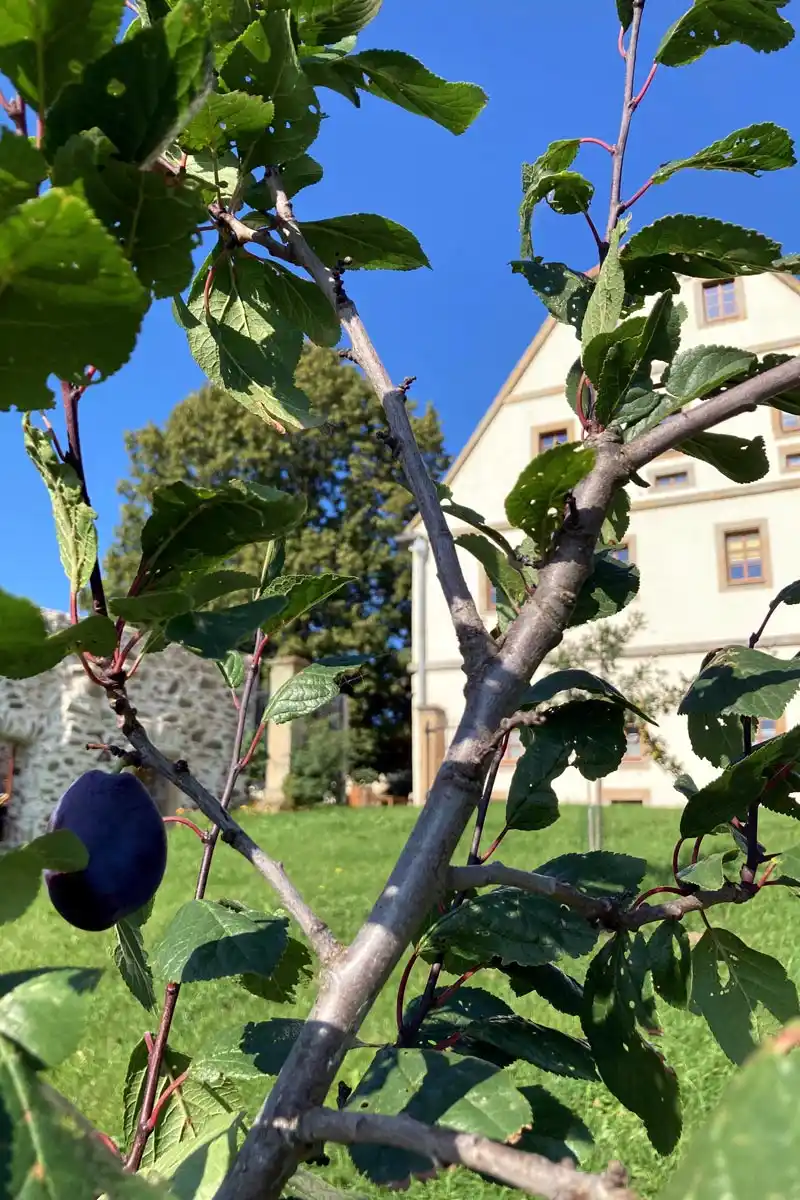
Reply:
x=530, y=1173
x=628, y=109
x=595, y=231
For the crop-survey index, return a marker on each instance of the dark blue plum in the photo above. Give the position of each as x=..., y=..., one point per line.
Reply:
x=115, y=818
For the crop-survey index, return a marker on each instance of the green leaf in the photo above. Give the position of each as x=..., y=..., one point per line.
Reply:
x=130, y=959
x=213, y=634
x=718, y=739
x=174, y=1065
x=698, y=246
x=74, y=519
x=322, y=22
x=47, y=1148
x=404, y=81
x=217, y=173
x=195, y=527
x=370, y=243
x=26, y=647
x=750, y=779
x=576, y=679
x=263, y=62
x=45, y=44
x=210, y=940
x=605, y=306
x=246, y=346
x=536, y=502
x=306, y=1185
x=308, y=690
x=247, y=1052
x=61, y=271
x=557, y=1133
x=548, y=1049
x=508, y=925
x=302, y=172
x=149, y=608
x=462, y=1093
x=597, y=873
x=625, y=14
x=45, y=1015
x=703, y=369
x=560, y=990
x=207, y=587
x=593, y=731
x=744, y=460
x=302, y=303
x=300, y=594
x=611, y=586
x=749, y=683
x=294, y=969
x=506, y=578
x=455, y=1013
x=709, y=873
x=669, y=953
x=142, y=91
x=732, y=1159
x=631, y=1069
x=154, y=219
x=565, y=293
x=549, y=178
x=232, y=669
x=710, y=23
x=532, y=803
x=731, y=986
x=224, y=119
x=21, y=869
x=756, y=148
x=22, y=169
x=195, y=1168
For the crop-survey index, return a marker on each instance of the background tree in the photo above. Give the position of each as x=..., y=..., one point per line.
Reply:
x=357, y=507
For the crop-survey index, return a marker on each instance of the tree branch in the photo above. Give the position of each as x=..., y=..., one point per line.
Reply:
x=629, y=103
x=530, y=1173
x=317, y=932
x=605, y=911
x=475, y=643
x=737, y=399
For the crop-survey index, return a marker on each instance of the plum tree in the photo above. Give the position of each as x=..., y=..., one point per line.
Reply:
x=115, y=818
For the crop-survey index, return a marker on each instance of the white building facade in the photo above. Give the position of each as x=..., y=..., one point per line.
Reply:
x=711, y=553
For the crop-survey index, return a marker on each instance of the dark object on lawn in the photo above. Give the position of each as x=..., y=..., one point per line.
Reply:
x=115, y=818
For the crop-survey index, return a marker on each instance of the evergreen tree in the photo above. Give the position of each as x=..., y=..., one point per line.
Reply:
x=357, y=507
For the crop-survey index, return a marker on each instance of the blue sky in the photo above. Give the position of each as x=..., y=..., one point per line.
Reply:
x=551, y=71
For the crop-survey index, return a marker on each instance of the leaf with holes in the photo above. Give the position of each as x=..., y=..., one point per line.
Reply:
x=191, y=528
x=731, y=987
x=45, y=1015
x=247, y=346
x=576, y=679
x=564, y=293
x=22, y=169
x=611, y=586
x=307, y=691
x=703, y=369
x=74, y=519
x=630, y=1067
x=757, y=148
x=532, y=803
x=60, y=271
x=44, y=44
x=213, y=634
x=549, y=178
x=744, y=682
x=750, y=779
x=247, y=1052
x=224, y=119
x=536, y=503
x=710, y=23
x=301, y=593
x=560, y=990
x=545, y=1048
x=27, y=647
x=370, y=243
x=130, y=959
x=322, y=22
x=461, y=1093
x=669, y=954
x=21, y=869
x=698, y=246
x=508, y=925
x=142, y=91
x=744, y=460
x=453, y=1014
x=715, y=738
x=213, y=940
x=595, y=731
x=598, y=873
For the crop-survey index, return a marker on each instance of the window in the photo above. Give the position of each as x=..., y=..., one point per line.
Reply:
x=514, y=749
x=622, y=553
x=721, y=301
x=554, y=437
x=768, y=728
x=672, y=479
x=743, y=557
x=789, y=422
x=634, y=746
x=791, y=460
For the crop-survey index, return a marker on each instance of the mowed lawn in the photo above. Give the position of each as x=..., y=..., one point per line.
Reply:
x=340, y=858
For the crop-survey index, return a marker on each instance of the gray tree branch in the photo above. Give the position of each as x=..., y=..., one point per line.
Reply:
x=317, y=932
x=628, y=109
x=530, y=1173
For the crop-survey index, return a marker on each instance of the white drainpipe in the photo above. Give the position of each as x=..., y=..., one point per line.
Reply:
x=419, y=550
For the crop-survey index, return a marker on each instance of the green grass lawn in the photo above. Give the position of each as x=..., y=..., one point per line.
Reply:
x=339, y=859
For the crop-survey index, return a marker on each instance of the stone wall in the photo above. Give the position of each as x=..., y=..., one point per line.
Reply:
x=182, y=703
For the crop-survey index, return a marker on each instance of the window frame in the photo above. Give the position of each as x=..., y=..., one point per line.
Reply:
x=673, y=469
x=539, y=431
x=780, y=727
x=784, y=452
x=777, y=427
x=638, y=796
x=630, y=541
x=703, y=285
x=486, y=585
x=636, y=762
x=722, y=532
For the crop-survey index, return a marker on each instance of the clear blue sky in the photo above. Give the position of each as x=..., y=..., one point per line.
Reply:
x=551, y=71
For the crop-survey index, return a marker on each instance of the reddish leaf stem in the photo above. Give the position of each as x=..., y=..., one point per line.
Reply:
x=189, y=825
x=639, y=97
x=676, y=858
x=163, y=1098
x=401, y=990
x=445, y=995
x=593, y=141
x=676, y=891
x=495, y=844
x=636, y=196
